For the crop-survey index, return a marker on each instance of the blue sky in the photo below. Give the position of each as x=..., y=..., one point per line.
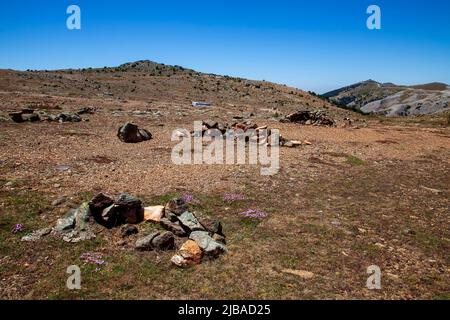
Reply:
x=314, y=45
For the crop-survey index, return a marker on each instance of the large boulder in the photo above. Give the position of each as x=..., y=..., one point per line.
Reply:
x=131, y=133
x=130, y=208
x=110, y=212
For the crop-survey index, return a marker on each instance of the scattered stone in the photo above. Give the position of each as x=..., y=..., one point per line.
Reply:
x=130, y=133
x=210, y=124
x=211, y=225
x=189, y=254
x=110, y=216
x=409, y=232
x=164, y=241
x=17, y=117
x=58, y=201
x=131, y=210
x=75, y=236
x=32, y=117
x=289, y=143
x=189, y=222
x=67, y=222
x=309, y=118
x=156, y=240
x=128, y=230
x=178, y=261
x=82, y=217
x=111, y=213
x=145, y=243
x=174, y=227
x=170, y=215
x=219, y=238
x=154, y=213
x=435, y=191
x=177, y=206
x=99, y=203
x=86, y=110
x=36, y=235
x=67, y=117
x=300, y=273
x=210, y=247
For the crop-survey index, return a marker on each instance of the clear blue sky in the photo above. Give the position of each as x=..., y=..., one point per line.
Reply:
x=314, y=45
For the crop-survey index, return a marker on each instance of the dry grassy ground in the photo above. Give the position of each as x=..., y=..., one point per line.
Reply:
x=355, y=197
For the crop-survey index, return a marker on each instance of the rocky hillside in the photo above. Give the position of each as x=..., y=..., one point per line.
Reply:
x=393, y=100
x=155, y=84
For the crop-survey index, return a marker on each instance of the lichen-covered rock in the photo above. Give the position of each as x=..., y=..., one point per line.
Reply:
x=67, y=222
x=76, y=235
x=209, y=246
x=189, y=222
x=36, y=235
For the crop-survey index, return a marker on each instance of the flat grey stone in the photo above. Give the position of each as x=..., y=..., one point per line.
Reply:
x=207, y=244
x=190, y=222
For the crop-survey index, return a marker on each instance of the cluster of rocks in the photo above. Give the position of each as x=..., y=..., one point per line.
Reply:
x=149, y=113
x=30, y=115
x=317, y=118
x=249, y=131
x=201, y=237
x=73, y=227
x=131, y=133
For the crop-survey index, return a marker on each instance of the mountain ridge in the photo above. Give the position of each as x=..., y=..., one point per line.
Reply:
x=392, y=100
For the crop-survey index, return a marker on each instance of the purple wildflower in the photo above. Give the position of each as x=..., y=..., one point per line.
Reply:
x=17, y=228
x=250, y=213
x=188, y=198
x=93, y=258
x=233, y=197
